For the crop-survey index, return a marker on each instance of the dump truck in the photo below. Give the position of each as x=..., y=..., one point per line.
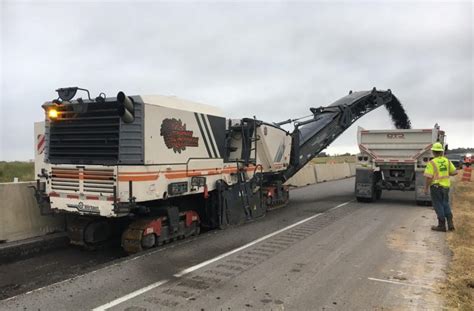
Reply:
x=159, y=168
x=394, y=159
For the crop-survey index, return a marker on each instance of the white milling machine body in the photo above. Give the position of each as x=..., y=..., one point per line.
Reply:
x=394, y=159
x=159, y=167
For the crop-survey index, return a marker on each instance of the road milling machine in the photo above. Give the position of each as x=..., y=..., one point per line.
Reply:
x=159, y=168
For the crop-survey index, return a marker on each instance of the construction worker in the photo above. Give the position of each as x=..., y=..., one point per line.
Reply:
x=437, y=174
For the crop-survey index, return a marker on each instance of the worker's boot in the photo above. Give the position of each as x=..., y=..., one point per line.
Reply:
x=441, y=225
x=450, y=223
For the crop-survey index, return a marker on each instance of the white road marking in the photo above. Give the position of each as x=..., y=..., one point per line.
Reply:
x=116, y=263
x=340, y=205
x=129, y=296
x=208, y=262
x=179, y=274
x=400, y=283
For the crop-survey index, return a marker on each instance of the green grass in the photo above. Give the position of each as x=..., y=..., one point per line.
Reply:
x=334, y=159
x=23, y=170
x=459, y=287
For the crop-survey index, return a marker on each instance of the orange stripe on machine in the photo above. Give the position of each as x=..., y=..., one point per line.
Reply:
x=138, y=177
x=176, y=174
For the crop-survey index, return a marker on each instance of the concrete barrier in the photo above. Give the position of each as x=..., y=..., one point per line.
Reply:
x=20, y=217
x=326, y=172
x=321, y=173
x=304, y=177
x=352, y=168
x=340, y=170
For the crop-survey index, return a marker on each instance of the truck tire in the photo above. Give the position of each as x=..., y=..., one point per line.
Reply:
x=360, y=199
x=378, y=194
x=423, y=203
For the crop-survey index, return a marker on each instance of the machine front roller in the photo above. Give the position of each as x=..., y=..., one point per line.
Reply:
x=146, y=233
x=88, y=232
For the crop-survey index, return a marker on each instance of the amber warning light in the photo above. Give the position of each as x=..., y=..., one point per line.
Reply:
x=52, y=113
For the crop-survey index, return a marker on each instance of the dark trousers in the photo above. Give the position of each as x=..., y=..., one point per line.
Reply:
x=440, y=199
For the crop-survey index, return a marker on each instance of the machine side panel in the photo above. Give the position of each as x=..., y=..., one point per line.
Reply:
x=273, y=148
x=174, y=136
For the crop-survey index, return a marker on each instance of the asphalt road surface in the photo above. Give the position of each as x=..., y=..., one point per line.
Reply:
x=324, y=251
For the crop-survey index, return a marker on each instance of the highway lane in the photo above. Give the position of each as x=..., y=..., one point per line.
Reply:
x=319, y=252
x=55, y=266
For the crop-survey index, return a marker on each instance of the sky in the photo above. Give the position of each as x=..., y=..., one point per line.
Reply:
x=272, y=60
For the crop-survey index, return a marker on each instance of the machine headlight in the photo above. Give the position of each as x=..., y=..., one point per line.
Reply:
x=52, y=113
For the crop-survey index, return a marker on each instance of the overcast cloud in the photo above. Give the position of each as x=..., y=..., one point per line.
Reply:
x=272, y=60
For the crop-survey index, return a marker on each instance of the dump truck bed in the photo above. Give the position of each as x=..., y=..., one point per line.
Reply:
x=397, y=145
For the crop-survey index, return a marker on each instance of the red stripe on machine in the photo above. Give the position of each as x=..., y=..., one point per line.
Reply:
x=40, y=145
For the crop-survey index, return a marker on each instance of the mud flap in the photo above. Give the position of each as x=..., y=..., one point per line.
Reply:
x=421, y=197
x=364, y=184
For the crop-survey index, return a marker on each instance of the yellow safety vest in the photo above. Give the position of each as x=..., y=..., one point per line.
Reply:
x=439, y=169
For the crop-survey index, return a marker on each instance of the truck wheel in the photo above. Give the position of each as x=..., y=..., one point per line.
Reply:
x=423, y=203
x=359, y=199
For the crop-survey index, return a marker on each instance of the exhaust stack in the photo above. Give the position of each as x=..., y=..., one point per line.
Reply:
x=126, y=108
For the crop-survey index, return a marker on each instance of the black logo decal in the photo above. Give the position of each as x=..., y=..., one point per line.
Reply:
x=176, y=136
x=396, y=136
